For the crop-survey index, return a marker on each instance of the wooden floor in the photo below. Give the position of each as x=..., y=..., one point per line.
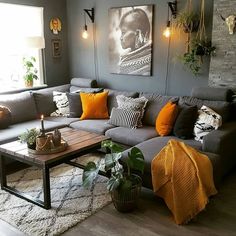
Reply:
x=153, y=218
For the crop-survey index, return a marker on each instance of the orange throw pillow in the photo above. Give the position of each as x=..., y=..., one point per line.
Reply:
x=166, y=118
x=94, y=105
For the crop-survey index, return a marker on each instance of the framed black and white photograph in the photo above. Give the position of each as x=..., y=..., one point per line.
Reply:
x=130, y=40
x=56, y=48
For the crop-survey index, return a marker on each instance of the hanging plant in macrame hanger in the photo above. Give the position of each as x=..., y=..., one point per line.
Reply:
x=198, y=46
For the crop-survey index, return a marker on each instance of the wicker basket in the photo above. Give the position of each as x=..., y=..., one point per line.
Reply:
x=127, y=201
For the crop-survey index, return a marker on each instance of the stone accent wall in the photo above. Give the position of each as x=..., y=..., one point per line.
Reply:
x=223, y=65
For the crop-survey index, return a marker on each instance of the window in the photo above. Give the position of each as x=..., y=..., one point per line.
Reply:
x=21, y=36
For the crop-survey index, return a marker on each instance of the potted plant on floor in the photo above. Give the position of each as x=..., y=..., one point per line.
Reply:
x=123, y=185
x=31, y=73
x=29, y=137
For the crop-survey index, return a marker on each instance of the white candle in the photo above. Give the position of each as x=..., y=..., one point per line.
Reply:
x=42, y=124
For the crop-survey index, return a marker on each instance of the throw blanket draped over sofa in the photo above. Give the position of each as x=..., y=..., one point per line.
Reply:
x=183, y=177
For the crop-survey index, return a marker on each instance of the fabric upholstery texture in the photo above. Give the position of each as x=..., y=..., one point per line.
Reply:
x=184, y=124
x=207, y=121
x=5, y=117
x=166, y=118
x=131, y=137
x=83, y=82
x=124, y=118
x=99, y=126
x=133, y=104
x=75, y=105
x=221, y=107
x=62, y=104
x=215, y=94
x=94, y=105
x=61, y=119
x=154, y=105
x=111, y=100
x=44, y=99
x=21, y=105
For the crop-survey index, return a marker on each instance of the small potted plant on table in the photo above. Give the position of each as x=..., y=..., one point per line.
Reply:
x=123, y=185
x=29, y=137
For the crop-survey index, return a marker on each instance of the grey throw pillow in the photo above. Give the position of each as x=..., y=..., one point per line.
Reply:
x=124, y=118
x=75, y=105
x=132, y=104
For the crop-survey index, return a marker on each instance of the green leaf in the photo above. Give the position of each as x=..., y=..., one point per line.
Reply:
x=136, y=159
x=111, y=160
x=113, y=183
x=113, y=147
x=90, y=174
x=125, y=185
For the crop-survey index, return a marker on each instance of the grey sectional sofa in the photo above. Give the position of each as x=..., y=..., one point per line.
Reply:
x=219, y=145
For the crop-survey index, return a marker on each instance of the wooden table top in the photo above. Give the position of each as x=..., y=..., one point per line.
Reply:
x=78, y=141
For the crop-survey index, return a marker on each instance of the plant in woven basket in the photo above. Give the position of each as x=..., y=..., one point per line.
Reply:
x=29, y=137
x=123, y=184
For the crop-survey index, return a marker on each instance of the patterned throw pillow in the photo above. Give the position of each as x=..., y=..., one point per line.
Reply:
x=62, y=104
x=124, y=118
x=207, y=121
x=132, y=104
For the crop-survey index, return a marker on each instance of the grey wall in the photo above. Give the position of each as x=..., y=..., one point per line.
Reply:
x=223, y=65
x=57, y=70
x=176, y=80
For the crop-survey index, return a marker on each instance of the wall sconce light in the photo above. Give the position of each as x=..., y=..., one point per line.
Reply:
x=90, y=13
x=173, y=7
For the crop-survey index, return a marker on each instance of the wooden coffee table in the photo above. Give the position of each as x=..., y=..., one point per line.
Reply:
x=79, y=143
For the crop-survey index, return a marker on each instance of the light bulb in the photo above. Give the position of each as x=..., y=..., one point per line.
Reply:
x=85, y=34
x=167, y=32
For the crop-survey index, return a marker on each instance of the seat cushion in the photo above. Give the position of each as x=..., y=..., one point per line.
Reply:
x=63, y=120
x=131, y=137
x=21, y=105
x=99, y=126
x=152, y=147
x=13, y=131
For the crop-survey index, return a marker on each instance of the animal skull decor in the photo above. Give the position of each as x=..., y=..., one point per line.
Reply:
x=230, y=22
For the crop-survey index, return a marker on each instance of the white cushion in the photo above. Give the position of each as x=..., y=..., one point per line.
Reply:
x=62, y=104
x=207, y=121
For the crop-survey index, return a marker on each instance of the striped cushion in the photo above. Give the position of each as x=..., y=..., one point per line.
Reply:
x=124, y=118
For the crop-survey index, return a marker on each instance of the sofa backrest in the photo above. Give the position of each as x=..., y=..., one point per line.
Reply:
x=154, y=105
x=111, y=100
x=21, y=105
x=76, y=83
x=44, y=99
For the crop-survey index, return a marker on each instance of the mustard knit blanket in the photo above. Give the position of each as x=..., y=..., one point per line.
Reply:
x=183, y=177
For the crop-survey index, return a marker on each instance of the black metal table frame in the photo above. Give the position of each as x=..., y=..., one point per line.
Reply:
x=46, y=203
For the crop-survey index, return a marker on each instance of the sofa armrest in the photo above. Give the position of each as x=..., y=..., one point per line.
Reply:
x=221, y=141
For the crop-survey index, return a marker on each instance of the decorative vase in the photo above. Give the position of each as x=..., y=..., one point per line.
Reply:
x=126, y=201
x=57, y=138
x=43, y=142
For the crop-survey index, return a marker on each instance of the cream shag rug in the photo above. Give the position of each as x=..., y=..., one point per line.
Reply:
x=71, y=203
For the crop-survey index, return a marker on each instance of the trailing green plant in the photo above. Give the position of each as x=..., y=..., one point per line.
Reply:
x=31, y=72
x=120, y=178
x=187, y=20
x=29, y=136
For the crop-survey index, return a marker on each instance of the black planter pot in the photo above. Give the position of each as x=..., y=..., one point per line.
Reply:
x=126, y=201
x=31, y=146
x=200, y=50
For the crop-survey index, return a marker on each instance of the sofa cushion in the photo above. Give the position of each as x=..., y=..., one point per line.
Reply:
x=133, y=104
x=21, y=105
x=94, y=105
x=97, y=126
x=62, y=104
x=131, y=137
x=166, y=118
x=5, y=117
x=207, y=121
x=154, y=105
x=185, y=121
x=83, y=82
x=124, y=118
x=222, y=108
x=111, y=100
x=75, y=105
x=13, y=131
x=63, y=120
